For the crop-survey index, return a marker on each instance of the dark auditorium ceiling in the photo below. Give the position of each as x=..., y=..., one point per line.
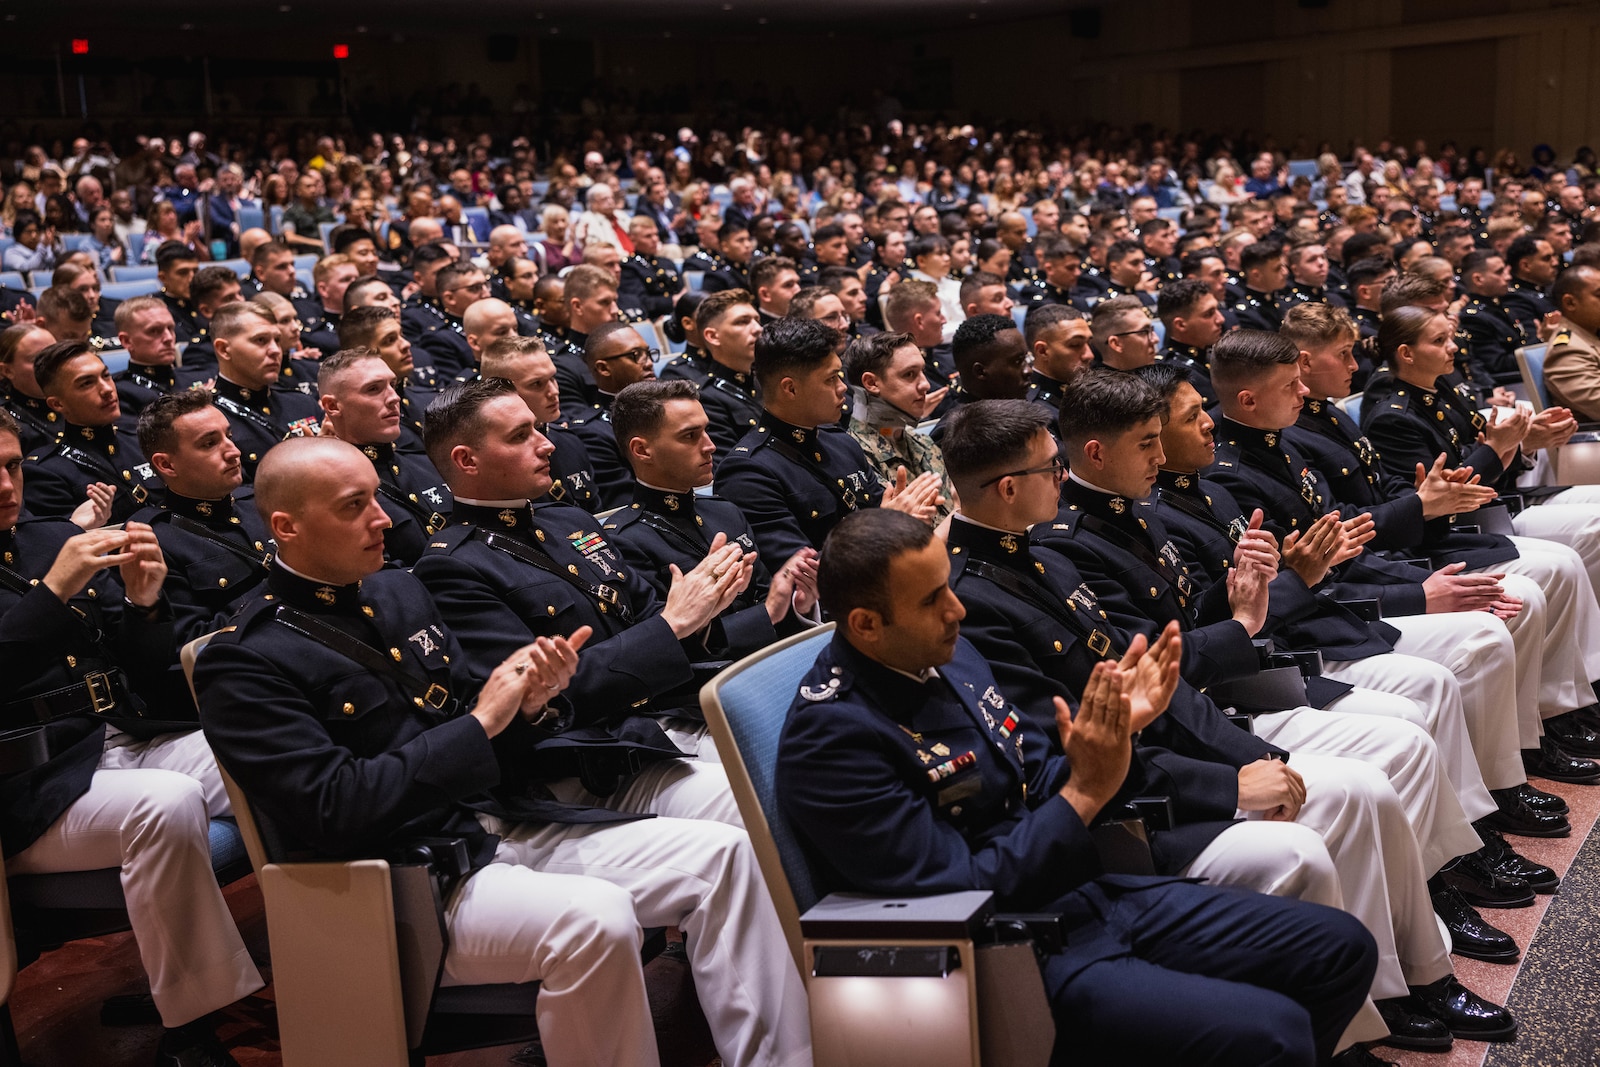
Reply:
x=383, y=16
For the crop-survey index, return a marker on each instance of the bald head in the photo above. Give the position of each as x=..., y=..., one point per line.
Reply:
x=486, y=321
x=252, y=239
x=506, y=242
x=426, y=230
x=302, y=469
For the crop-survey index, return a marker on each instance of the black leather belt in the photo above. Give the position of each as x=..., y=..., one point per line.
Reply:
x=99, y=693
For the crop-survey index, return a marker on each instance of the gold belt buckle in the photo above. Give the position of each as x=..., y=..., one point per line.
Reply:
x=101, y=698
x=1099, y=643
x=436, y=696
x=608, y=594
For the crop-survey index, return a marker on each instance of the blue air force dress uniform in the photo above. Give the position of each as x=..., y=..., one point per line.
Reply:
x=896, y=784
x=1041, y=648
x=795, y=485
x=364, y=745
x=1557, y=633
x=101, y=798
x=1263, y=470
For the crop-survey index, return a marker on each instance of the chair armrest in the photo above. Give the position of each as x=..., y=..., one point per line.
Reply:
x=857, y=916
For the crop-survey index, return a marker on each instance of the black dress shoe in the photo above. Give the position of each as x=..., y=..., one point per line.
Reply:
x=1589, y=716
x=193, y=1045
x=1412, y=1026
x=1360, y=1056
x=1481, y=885
x=1572, y=735
x=1515, y=817
x=1470, y=936
x=1549, y=761
x=1504, y=859
x=1537, y=799
x=1468, y=1015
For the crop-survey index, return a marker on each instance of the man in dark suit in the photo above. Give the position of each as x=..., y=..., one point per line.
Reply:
x=905, y=769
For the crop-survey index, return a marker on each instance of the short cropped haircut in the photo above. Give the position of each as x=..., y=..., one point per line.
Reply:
x=1310, y=326
x=1102, y=403
x=210, y=282
x=48, y=363
x=170, y=253
x=976, y=334
x=1166, y=379
x=599, y=336
x=1477, y=259
x=1570, y=282
x=715, y=306
x=63, y=302
x=853, y=571
x=1365, y=271
x=158, y=421
x=927, y=244
x=584, y=281
x=265, y=253
x=973, y=283
x=804, y=300
x=352, y=295
x=342, y=237
x=788, y=347
x=502, y=350
x=766, y=270
x=1242, y=357
x=988, y=437
x=449, y=275
x=639, y=408
x=906, y=299
x=1410, y=288
x=455, y=418
x=834, y=279
x=8, y=425
x=233, y=319
x=331, y=368
x=326, y=265
x=1048, y=247
x=1180, y=298
x=1109, y=314
x=873, y=354
x=358, y=327
x=1041, y=318
x=135, y=306
x=1259, y=254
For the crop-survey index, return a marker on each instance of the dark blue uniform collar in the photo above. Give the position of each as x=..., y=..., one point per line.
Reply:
x=379, y=453
x=1184, y=483
x=238, y=393
x=102, y=439
x=312, y=596
x=1251, y=439
x=1003, y=549
x=8, y=541
x=209, y=512
x=164, y=374
x=795, y=436
x=516, y=520
x=743, y=379
x=914, y=705
x=679, y=507
x=1117, y=510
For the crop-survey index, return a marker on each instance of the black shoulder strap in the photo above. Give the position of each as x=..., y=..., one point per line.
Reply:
x=845, y=496
x=14, y=581
x=605, y=594
x=250, y=415
x=1147, y=555
x=183, y=522
x=1195, y=509
x=433, y=694
x=1097, y=641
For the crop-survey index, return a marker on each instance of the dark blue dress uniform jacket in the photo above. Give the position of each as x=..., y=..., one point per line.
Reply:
x=1039, y=649
x=795, y=485
x=58, y=476
x=47, y=645
x=343, y=761
x=260, y=418
x=1350, y=466
x=1408, y=426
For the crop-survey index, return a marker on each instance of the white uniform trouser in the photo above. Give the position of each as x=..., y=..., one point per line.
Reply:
x=1477, y=650
x=1571, y=653
x=566, y=905
x=1569, y=518
x=695, y=737
x=1376, y=729
x=147, y=811
x=1353, y=807
x=1282, y=859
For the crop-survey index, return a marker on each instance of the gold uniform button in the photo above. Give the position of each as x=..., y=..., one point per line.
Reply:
x=222, y=583
x=1058, y=646
x=349, y=708
x=1153, y=591
x=72, y=661
x=366, y=611
x=417, y=701
x=395, y=652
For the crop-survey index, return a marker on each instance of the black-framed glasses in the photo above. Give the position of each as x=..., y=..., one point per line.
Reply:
x=470, y=287
x=1147, y=328
x=638, y=355
x=1056, y=468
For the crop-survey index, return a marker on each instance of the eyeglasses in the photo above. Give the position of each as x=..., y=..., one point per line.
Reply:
x=842, y=317
x=1057, y=469
x=1147, y=328
x=638, y=355
x=473, y=287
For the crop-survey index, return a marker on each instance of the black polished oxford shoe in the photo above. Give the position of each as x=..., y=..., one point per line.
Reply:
x=1550, y=761
x=1537, y=799
x=1411, y=1027
x=1470, y=935
x=1515, y=817
x=1481, y=885
x=1573, y=735
x=1468, y=1016
x=194, y=1045
x=1360, y=1056
x=1505, y=860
